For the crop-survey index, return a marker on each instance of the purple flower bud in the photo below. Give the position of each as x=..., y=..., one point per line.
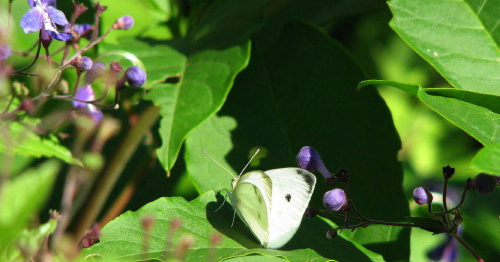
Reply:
x=97, y=70
x=335, y=199
x=125, y=22
x=135, y=76
x=448, y=172
x=484, y=183
x=82, y=64
x=309, y=159
x=422, y=196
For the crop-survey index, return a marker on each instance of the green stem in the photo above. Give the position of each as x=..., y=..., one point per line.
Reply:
x=113, y=170
x=466, y=245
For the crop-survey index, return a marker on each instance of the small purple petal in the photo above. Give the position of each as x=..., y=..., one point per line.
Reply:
x=56, y=16
x=82, y=28
x=95, y=114
x=32, y=21
x=49, y=3
x=5, y=51
x=31, y=3
x=135, y=76
x=60, y=36
x=84, y=93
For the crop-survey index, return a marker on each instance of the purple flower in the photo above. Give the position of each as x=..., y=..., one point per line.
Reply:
x=5, y=51
x=85, y=93
x=309, y=159
x=135, y=76
x=44, y=16
x=335, y=199
x=422, y=196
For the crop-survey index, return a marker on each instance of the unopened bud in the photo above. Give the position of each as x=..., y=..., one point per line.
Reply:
x=135, y=76
x=457, y=220
x=124, y=23
x=334, y=199
x=485, y=183
x=82, y=64
x=422, y=196
x=448, y=172
x=331, y=233
x=309, y=159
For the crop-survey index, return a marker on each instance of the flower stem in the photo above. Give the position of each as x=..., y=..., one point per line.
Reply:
x=466, y=245
x=113, y=170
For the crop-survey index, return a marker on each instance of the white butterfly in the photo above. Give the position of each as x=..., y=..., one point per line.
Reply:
x=272, y=203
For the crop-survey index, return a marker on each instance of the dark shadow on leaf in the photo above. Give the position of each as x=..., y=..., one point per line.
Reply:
x=312, y=234
x=222, y=219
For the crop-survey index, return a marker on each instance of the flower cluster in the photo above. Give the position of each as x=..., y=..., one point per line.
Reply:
x=445, y=221
x=44, y=17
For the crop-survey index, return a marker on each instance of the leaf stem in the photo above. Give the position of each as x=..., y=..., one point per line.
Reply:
x=113, y=170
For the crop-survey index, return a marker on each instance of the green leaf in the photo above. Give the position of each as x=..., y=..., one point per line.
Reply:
x=18, y=139
x=206, y=174
x=22, y=197
x=459, y=38
x=487, y=160
x=429, y=224
x=302, y=92
x=477, y=114
x=214, y=52
x=124, y=237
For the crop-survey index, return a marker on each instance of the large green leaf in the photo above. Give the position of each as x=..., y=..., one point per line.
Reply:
x=18, y=139
x=476, y=113
x=487, y=160
x=206, y=63
x=461, y=39
x=22, y=197
x=300, y=92
x=124, y=238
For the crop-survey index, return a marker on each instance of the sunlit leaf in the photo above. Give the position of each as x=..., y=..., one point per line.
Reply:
x=487, y=160
x=461, y=39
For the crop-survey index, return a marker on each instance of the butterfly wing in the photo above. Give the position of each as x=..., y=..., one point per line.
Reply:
x=251, y=198
x=292, y=189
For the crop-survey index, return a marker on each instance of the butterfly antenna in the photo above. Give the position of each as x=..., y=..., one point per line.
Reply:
x=234, y=216
x=256, y=152
x=218, y=162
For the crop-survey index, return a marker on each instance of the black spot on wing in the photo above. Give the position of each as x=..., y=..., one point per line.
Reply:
x=307, y=178
x=288, y=197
